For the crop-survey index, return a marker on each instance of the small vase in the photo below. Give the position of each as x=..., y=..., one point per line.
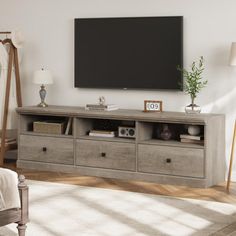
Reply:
x=194, y=130
x=192, y=109
x=166, y=133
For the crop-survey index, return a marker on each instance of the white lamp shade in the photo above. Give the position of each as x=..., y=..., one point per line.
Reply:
x=43, y=77
x=232, y=59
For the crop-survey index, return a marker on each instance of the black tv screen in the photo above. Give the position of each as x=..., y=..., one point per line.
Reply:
x=129, y=53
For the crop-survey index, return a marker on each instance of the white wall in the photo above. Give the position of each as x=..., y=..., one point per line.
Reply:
x=209, y=29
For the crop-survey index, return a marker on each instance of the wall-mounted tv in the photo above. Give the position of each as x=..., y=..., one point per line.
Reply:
x=129, y=53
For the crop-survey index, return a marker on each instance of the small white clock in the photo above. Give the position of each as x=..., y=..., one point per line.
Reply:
x=152, y=106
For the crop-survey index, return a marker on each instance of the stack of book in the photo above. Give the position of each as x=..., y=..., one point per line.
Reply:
x=194, y=139
x=99, y=107
x=10, y=143
x=102, y=133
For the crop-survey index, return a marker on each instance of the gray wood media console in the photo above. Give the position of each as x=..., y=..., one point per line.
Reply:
x=145, y=157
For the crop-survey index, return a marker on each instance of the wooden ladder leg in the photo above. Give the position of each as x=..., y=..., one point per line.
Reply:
x=231, y=158
x=17, y=74
x=6, y=106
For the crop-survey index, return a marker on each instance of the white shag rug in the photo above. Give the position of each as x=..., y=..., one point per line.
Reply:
x=62, y=209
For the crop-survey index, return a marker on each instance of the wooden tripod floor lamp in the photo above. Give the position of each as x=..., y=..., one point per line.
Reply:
x=232, y=62
x=12, y=63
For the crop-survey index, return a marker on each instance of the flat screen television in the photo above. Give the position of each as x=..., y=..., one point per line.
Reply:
x=129, y=53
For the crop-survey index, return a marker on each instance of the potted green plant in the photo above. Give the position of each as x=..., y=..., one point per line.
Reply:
x=193, y=83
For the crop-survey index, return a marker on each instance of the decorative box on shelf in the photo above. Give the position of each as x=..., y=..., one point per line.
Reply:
x=49, y=127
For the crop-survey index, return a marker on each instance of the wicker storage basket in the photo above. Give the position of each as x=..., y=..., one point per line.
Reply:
x=49, y=127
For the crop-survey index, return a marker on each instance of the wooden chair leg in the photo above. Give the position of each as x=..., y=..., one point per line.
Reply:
x=231, y=158
x=21, y=229
x=24, y=197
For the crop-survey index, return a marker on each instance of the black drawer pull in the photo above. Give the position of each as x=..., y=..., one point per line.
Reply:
x=103, y=154
x=168, y=160
x=44, y=149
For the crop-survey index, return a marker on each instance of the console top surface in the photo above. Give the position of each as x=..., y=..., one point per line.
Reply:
x=123, y=114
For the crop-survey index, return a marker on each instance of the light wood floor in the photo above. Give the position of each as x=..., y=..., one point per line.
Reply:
x=216, y=193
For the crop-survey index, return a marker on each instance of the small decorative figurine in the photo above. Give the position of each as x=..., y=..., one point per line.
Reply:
x=166, y=133
x=101, y=100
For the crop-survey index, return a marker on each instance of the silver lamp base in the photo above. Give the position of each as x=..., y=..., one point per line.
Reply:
x=42, y=94
x=42, y=104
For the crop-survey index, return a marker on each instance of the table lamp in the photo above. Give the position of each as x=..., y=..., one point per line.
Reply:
x=42, y=77
x=232, y=62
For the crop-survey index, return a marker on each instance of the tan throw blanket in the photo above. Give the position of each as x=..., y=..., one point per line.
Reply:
x=9, y=194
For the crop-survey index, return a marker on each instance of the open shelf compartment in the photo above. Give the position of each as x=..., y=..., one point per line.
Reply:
x=27, y=125
x=152, y=133
x=85, y=125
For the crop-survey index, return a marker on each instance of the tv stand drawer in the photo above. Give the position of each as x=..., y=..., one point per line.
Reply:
x=102, y=154
x=187, y=162
x=46, y=149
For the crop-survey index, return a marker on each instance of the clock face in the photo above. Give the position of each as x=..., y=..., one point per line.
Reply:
x=152, y=106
